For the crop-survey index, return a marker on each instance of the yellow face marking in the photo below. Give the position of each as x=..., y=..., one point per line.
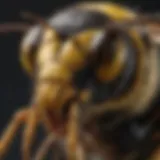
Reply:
x=55, y=71
x=75, y=51
x=85, y=38
x=71, y=56
x=46, y=54
x=49, y=48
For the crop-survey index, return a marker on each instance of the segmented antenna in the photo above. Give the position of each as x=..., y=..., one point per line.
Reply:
x=22, y=27
x=144, y=19
x=14, y=27
x=36, y=18
x=151, y=22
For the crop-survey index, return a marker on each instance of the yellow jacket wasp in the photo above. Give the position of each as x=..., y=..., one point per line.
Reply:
x=95, y=70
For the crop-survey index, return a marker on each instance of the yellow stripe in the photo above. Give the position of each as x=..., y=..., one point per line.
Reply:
x=115, y=11
x=109, y=71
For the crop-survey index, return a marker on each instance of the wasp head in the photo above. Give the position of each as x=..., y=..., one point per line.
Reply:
x=56, y=61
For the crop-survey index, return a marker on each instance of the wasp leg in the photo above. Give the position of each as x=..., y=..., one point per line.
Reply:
x=44, y=148
x=29, y=133
x=73, y=145
x=10, y=132
x=81, y=153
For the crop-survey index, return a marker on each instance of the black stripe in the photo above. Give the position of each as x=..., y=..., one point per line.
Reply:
x=85, y=78
x=121, y=85
x=73, y=20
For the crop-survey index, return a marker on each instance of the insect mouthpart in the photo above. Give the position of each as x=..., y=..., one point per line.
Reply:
x=53, y=95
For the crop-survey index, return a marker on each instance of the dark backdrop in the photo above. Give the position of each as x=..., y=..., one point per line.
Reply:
x=14, y=84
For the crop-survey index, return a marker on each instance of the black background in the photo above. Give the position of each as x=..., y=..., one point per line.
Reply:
x=14, y=84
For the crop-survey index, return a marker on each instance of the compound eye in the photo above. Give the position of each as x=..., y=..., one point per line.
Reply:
x=28, y=49
x=108, y=53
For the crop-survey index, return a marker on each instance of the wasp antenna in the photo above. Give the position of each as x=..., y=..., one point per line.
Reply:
x=36, y=18
x=152, y=17
x=146, y=19
x=14, y=27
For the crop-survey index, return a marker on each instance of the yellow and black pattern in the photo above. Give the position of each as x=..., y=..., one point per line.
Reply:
x=115, y=66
